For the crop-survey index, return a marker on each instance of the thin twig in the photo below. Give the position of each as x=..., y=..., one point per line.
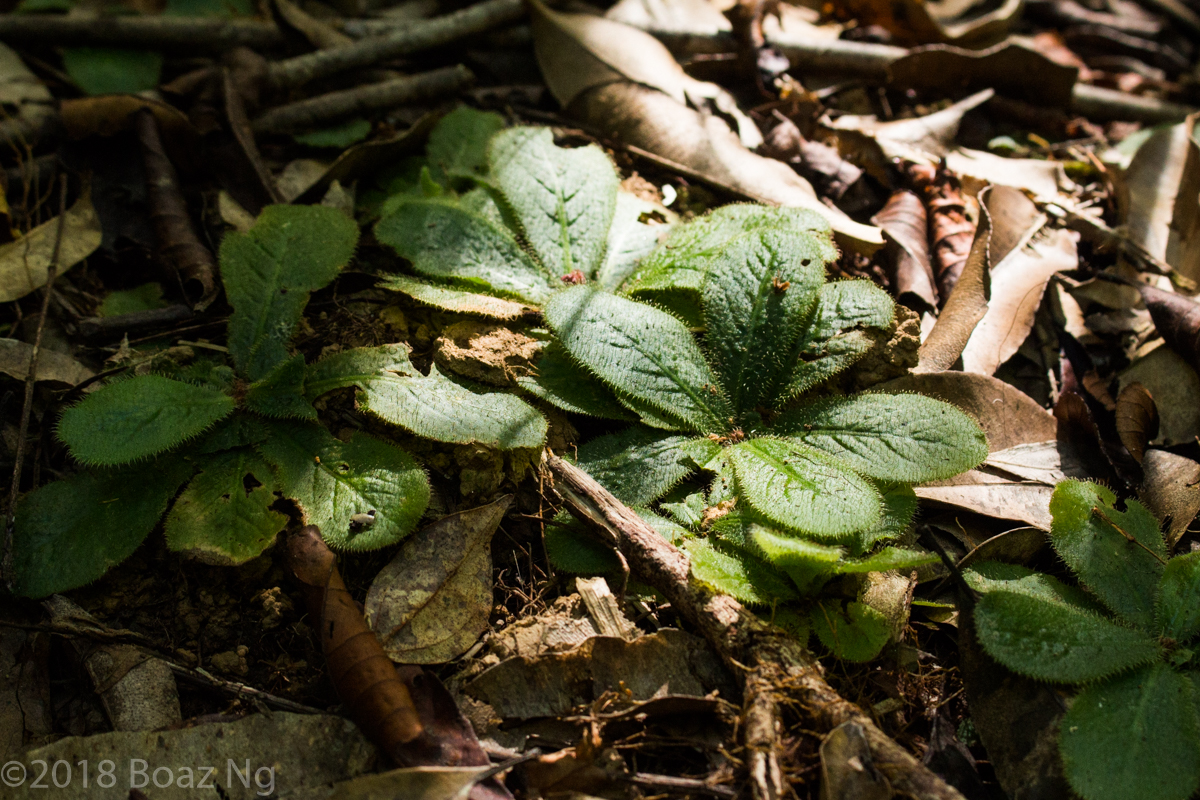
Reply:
x=6, y=557
x=157, y=32
x=205, y=678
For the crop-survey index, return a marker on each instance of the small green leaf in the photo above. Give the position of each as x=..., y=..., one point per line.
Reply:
x=445, y=240
x=1055, y=641
x=1179, y=597
x=802, y=489
x=566, y=385
x=126, y=301
x=139, y=417
x=630, y=239
x=668, y=529
x=639, y=465
x=218, y=519
x=564, y=199
x=642, y=352
x=899, y=508
x=759, y=291
x=989, y=575
x=112, y=70
x=431, y=406
x=833, y=339
x=281, y=393
x=809, y=564
x=1136, y=735
x=571, y=549
x=268, y=272
x=888, y=558
x=242, y=429
x=456, y=300
x=735, y=572
x=68, y=533
x=852, y=631
x=332, y=481
x=1089, y=534
x=458, y=145
x=891, y=437
x=685, y=505
x=338, y=136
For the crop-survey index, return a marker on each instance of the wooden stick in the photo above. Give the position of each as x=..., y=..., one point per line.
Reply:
x=776, y=666
x=153, y=32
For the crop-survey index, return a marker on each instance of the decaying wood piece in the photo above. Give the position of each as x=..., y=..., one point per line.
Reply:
x=159, y=32
x=776, y=667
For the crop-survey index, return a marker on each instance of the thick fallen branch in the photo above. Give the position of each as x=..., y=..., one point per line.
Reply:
x=322, y=109
x=152, y=32
x=412, y=38
x=775, y=665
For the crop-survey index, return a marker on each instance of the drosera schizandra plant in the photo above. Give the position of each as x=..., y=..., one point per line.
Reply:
x=242, y=434
x=794, y=491
x=1128, y=636
x=496, y=219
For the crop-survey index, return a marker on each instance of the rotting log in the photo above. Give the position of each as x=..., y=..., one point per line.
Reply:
x=776, y=668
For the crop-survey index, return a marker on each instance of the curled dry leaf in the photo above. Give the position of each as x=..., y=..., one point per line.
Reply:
x=904, y=224
x=431, y=602
x=25, y=263
x=1137, y=419
x=1171, y=489
x=1177, y=319
x=626, y=83
x=951, y=228
x=1175, y=387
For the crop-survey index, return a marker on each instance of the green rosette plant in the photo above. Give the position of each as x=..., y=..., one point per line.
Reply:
x=242, y=435
x=1127, y=636
x=496, y=220
x=801, y=489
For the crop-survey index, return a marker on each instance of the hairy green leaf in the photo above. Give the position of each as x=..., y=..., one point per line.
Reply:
x=808, y=563
x=735, y=572
x=218, y=519
x=1179, y=597
x=68, y=533
x=637, y=228
x=759, y=291
x=833, y=339
x=281, y=392
x=239, y=430
x=332, y=481
x=1054, y=641
x=892, y=437
x=642, y=352
x=668, y=529
x=456, y=300
x=852, y=631
x=1090, y=535
x=901, y=558
x=639, y=465
x=1136, y=735
x=268, y=272
x=564, y=384
x=988, y=575
x=139, y=417
x=571, y=549
x=443, y=239
x=458, y=144
x=899, y=508
x=802, y=489
x=564, y=199
x=685, y=505
x=431, y=405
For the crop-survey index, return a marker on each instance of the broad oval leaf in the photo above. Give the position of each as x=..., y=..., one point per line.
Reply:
x=892, y=437
x=68, y=533
x=1056, y=641
x=444, y=239
x=431, y=405
x=458, y=144
x=639, y=465
x=759, y=292
x=852, y=631
x=217, y=519
x=1179, y=597
x=1090, y=535
x=802, y=489
x=332, y=480
x=834, y=339
x=268, y=272
x=139, y=417
x=735, y=572
x=564, y=199
x=987, y=576
x=642, y=352
x=1136, y=735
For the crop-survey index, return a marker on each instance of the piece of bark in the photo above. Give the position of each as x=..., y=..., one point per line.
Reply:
x=774, y=664
x=178, y=245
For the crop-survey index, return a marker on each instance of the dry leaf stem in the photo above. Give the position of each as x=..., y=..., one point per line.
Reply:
x=775, y=666
x=14, y=490
x=325, y=108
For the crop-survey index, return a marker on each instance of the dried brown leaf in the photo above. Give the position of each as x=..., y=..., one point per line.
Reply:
x=904, y=224
x=1137, y=419
x=1171, y=489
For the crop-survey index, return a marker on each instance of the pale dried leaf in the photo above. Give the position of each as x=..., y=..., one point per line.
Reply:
x=25, y=263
